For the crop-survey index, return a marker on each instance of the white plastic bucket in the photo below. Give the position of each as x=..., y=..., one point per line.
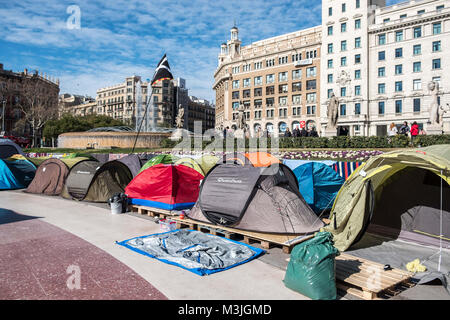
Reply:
x=116, y=207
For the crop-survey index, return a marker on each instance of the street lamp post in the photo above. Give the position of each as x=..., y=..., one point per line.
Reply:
x=3, y=115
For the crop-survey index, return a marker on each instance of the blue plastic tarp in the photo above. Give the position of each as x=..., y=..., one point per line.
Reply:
x=195, y=251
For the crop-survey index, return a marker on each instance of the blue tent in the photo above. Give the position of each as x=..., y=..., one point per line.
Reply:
x=16, y=173
x=318, y=184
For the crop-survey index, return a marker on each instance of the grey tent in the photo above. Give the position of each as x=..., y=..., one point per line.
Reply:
x=254, y=199
x=9, y=148
x=92, y=181
x=133, y=162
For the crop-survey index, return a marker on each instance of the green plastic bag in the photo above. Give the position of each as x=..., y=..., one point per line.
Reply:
x=312, y=267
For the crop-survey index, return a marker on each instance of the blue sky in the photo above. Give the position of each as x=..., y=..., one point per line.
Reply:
x=123, y=37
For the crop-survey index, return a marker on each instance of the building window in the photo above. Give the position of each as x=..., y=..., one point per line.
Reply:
x=358, y=4
x=438, y=80
x=344, y=7
x=258, y=65
x=297, y=99
x=311, y=110
x=330, y=63
x=330, y=11
x=416, y=105
x=283, y=88
x=436, y=46
x=235, y=70
x=357, y=58
x=398, y=106
x=330, y=30
x=296, y=86
x=311, y=97
x=381, y=88
x=344, y=45
x=381, y=55
x=344, y=27
x=381, y=107
x=417, y=32
x=439, y=8
x=436, y=64
x=403, y=16
x=437, y=28
x=358, y=24
x=399, y=52
x=246, y=67
x=297, y=111
x=357, y=74
x=269, y=102
x=330, y=48
x=235, y=84
x=269, y=114
x=343, y=61
x=246, y=82
x=382, y=39
x=246, y=94
x=257, y=92
x=235, y=105
x=270, y=90
x=420, y=12
x=343, y=92
x=343, y=109
x=398, y=86
x=296, y=57
x=282, y=101
x=357, y=90
x=297, y=74
x=417, y=49
x=417, y=84
x=311, y=85
x=329, y=92
x=270, y=78
x=270, y=62
x=399, y=36
x=386, y=20
x=357, y=42
x=282, y=76
x=282, y=60
x=382, y=72
x=330, y=78
x=357, y=108
x=311, y=72
x=398, y=69
x=417, y=66
x=258, y=81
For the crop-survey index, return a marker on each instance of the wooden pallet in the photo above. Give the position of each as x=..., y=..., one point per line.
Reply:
x=152, y=212
x=368, y=280
x=266, y=240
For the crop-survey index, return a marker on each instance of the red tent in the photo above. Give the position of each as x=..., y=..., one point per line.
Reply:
x=165, y=186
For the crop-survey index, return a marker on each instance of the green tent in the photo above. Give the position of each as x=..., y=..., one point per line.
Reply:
x=397, y=194
x=162, y=158
x=191, y=163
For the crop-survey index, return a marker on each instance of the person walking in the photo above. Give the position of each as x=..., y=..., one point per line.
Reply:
x=287, y=133
x=404, y=129
x=414, y=131
x=393, y=131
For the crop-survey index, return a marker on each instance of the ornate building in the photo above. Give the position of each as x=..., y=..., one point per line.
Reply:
x=379, y=61
x=20, y=87
x=277, y=80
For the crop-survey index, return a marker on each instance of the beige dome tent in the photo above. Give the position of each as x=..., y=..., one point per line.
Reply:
x=401, y=194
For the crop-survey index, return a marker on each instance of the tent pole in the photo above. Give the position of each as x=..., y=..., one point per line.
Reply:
x=440, y=232
x=142, y=120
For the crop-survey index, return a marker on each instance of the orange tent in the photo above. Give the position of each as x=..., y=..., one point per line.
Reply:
x=256, y=159
x=261, y=159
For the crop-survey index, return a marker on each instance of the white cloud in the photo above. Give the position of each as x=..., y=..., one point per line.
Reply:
x=119, y=38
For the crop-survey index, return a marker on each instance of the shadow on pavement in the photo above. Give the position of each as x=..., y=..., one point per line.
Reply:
x=9, y=216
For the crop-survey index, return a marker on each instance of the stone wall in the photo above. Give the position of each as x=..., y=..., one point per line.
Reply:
x=105, y=140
